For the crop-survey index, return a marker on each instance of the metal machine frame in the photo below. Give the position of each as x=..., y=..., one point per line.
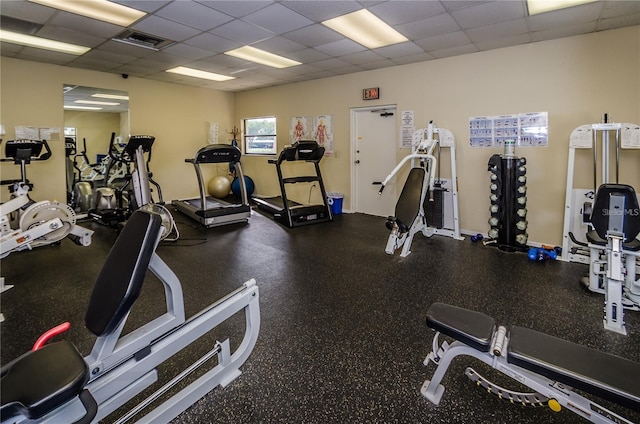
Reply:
x=422, y=154
x=577, y=201
x=119, y=367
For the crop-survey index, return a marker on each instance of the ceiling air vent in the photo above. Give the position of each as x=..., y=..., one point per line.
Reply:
x=141, y=39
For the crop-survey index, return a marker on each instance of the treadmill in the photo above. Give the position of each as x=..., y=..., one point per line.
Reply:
x=208, y=210
x=286, y=211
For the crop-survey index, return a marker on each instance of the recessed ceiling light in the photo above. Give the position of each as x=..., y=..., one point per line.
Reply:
x=42, y=43
x=101, y=10
x=96, y=102
x=541, y=6
x=264, y=58
x=365, y=28
x=182, y=70
x=110, y=96
x=82, y=107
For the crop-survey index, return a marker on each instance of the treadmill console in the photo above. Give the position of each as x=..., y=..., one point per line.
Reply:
x=218, y=153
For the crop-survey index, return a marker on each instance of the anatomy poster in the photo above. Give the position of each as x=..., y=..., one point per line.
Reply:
x=318, y=128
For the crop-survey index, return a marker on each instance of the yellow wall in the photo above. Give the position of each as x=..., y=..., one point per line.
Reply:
x=177, y=115
x=575, y=79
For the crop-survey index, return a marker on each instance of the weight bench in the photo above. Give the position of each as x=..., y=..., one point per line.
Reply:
x=613, y=246
x=55, y=384
x=409, y=216
x=550, y=366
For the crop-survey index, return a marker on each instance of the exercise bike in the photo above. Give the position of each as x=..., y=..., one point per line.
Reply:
x=54, y=384
x=25, y=223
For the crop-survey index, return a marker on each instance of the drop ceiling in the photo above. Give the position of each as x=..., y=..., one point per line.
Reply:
x=197, y=33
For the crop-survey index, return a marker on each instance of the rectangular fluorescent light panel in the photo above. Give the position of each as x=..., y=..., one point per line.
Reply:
x=542, y=6
x=96, y=102
x=101, y=10
x=42, y=43
x=110, y=96
x=82, y=107
x=262, y=57
x=182, y=70
x=365, y=28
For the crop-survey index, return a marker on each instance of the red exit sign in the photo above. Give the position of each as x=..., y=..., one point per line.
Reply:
x=371, y=93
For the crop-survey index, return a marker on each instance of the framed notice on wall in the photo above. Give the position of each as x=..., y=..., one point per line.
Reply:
x=525, y=129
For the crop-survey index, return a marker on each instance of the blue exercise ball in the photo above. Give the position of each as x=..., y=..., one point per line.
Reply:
x=235, y=186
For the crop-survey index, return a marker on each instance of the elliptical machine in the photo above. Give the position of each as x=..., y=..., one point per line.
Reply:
x=114, y=207
x=25, y=223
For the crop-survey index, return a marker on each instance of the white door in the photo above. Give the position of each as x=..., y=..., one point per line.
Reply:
x=374, y=141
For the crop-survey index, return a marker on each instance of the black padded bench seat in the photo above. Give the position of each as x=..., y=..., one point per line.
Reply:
x=607, y=376
x=28, y=391
x=470, y=327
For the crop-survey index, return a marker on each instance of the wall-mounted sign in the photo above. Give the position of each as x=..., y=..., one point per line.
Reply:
x=371, y=93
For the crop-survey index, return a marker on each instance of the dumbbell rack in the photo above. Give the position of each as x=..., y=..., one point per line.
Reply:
x=508, y=202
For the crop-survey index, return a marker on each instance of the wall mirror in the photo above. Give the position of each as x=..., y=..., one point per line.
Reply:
x=91, y=115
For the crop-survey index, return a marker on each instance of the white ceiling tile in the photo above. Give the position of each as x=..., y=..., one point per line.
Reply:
x=31, y=53
x=618, y=8
x=106, y=56
x=212, y=43
x=313, y=35
x=564, y=31
x=278, y=45
x=402, y=12
x=126, y=49
x=308, y=55
x=320, y=10
x=69, y=36
x=489, y=13
x=499, y=43
x=378, y=65
x=277, y=19
x=31, y=12
x=405, y=60
x=454, y=51
x=498, y=31
x=401, y=49
x=341, y=48
x=362, y=57
x=194, y=15
x=430, y=27
x=148, y=6
x=237, y=9
x=452, y=5
x=242, y=32
x=442, y=42
x=187, y=51
x=164, y=28
x=618, y=22
x=330, y=64
x=86, y=25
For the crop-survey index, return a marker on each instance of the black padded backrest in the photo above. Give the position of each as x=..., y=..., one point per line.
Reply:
x=120, y=280
x=601, y=211
x=408, y=205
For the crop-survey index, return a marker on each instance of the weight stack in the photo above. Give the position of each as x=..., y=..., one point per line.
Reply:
x=508, y=210
x=434, y=210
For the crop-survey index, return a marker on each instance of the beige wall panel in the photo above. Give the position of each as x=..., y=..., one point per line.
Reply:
x=575, y=79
